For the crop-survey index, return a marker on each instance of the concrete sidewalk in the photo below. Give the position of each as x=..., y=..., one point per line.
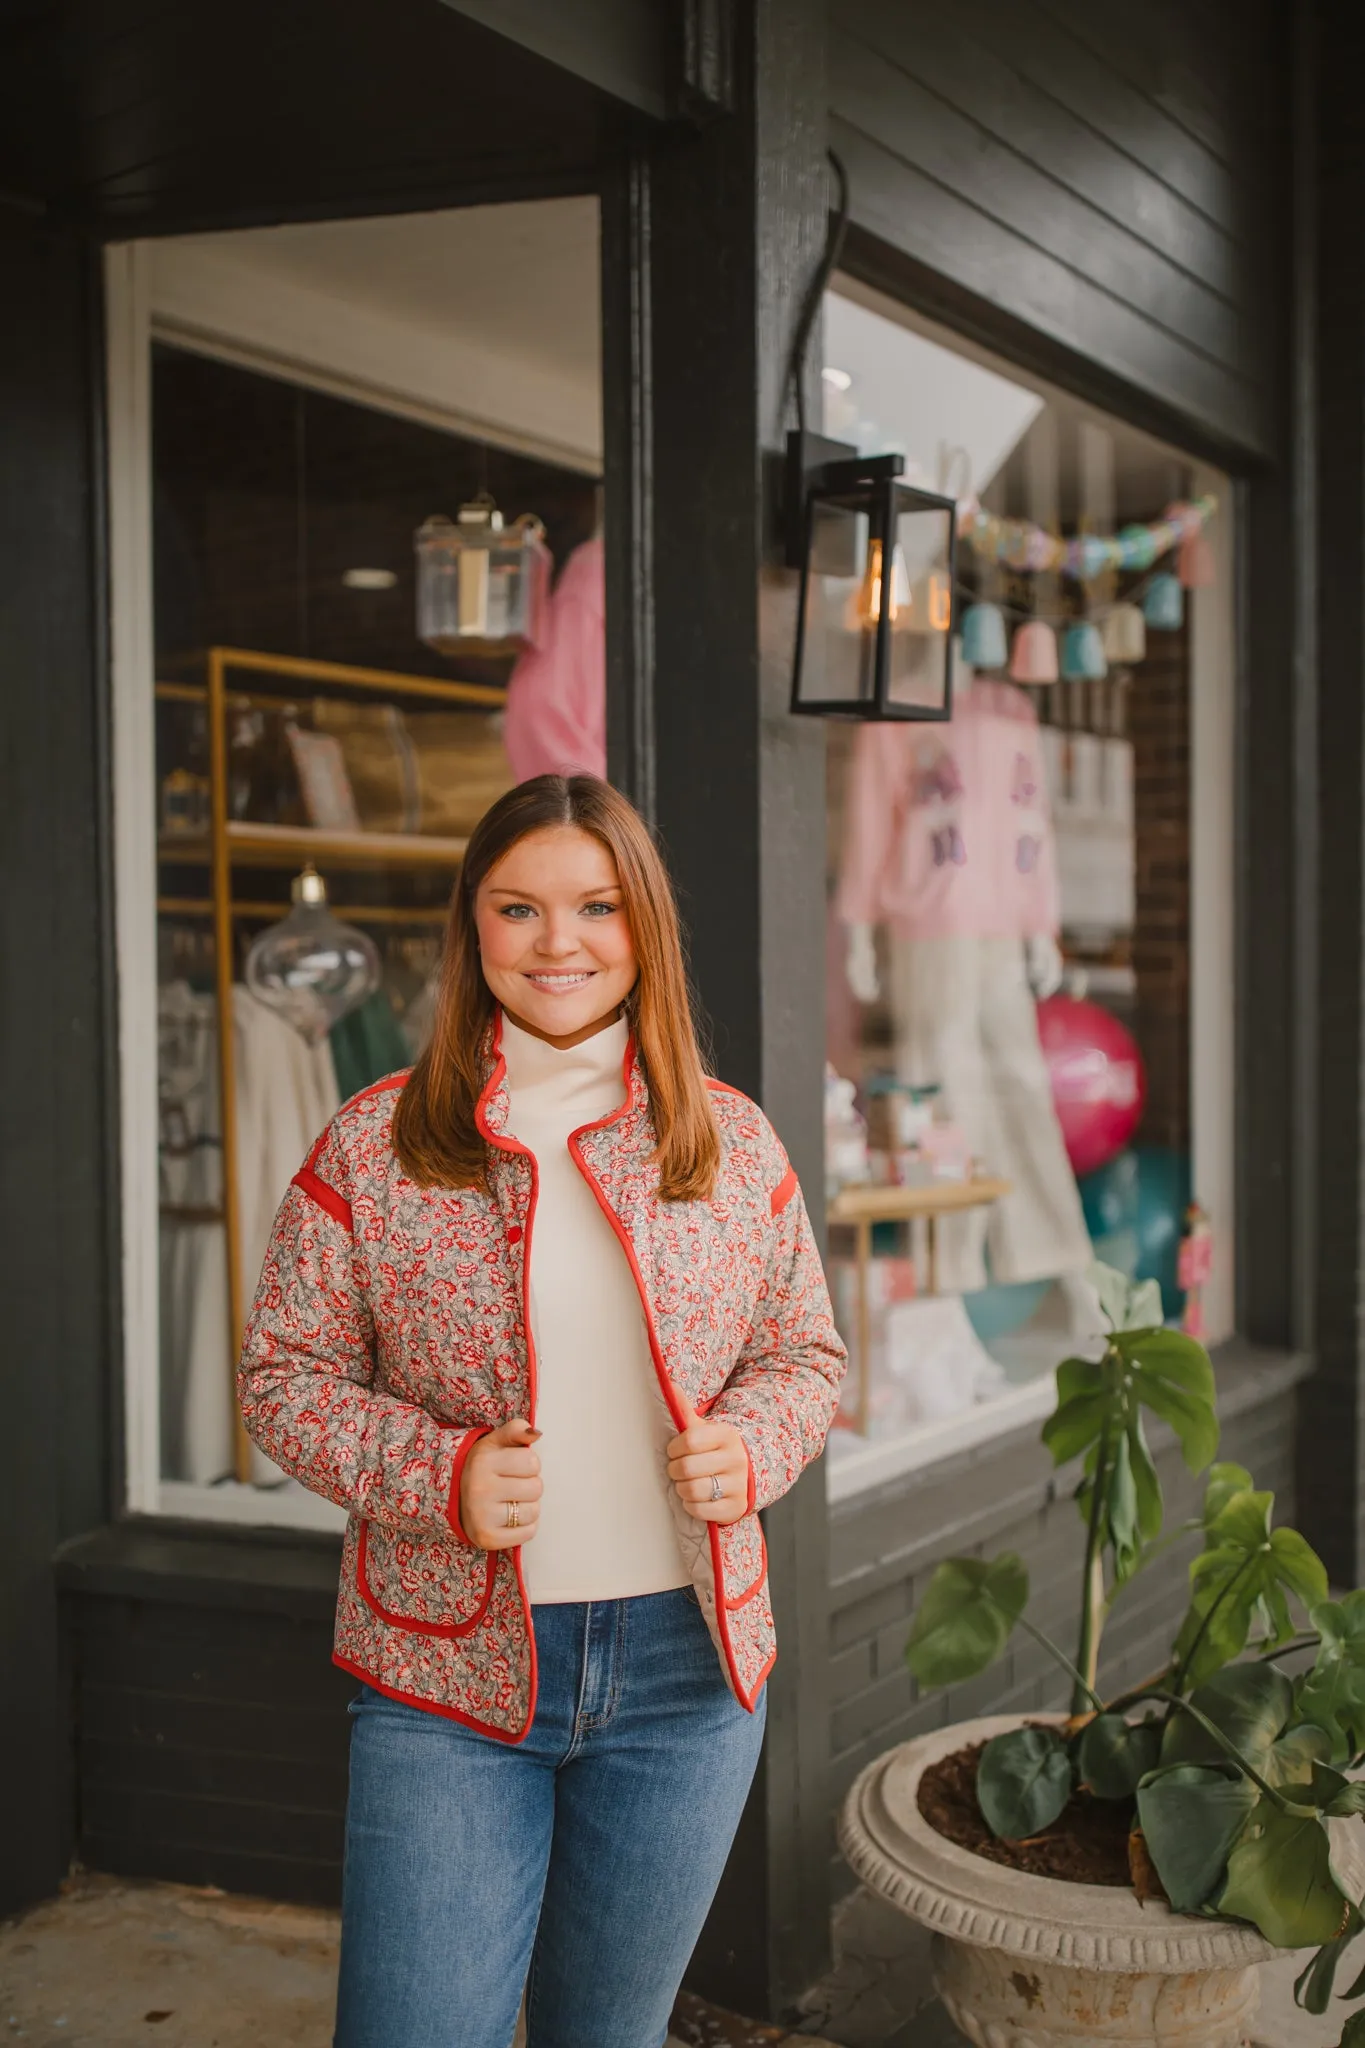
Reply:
x=122, y=1965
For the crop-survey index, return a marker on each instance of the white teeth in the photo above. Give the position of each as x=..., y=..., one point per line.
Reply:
x=558, y=981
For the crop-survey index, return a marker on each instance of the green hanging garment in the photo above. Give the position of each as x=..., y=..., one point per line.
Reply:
x=367, y=1044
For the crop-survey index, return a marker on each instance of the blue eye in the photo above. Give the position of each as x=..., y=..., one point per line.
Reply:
x=519, y=911
x=600, y=909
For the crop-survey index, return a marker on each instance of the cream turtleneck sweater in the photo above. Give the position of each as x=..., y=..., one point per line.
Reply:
x=607, y=1529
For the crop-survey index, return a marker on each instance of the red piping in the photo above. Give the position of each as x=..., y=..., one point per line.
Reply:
x=325, y=1197
x=784, y=1191
x=743, y=1599
x=406, y=1623
x=456, y=1474
x=410, y=1699
x=494, y=1138
x=665, y=1384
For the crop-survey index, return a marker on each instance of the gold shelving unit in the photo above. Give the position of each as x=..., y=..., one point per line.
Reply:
x=234, y=844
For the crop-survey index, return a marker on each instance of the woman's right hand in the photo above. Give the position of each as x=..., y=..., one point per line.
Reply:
x=502, y=1467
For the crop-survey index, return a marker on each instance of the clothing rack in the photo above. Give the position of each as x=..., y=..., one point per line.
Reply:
x=233, y=844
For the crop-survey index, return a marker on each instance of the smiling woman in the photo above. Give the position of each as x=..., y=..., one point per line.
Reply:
x=511, y=1321
x=556, y=947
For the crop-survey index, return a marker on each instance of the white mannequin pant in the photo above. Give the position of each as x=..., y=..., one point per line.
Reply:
x=964, y=1016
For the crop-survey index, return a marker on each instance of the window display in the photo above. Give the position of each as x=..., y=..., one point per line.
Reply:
x=330, y=661
x=1009, y=960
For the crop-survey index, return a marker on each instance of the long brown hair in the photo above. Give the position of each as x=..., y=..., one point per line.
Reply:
x=434, y=1132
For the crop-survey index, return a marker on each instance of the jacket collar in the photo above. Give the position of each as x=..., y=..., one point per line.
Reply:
x=631, y=1121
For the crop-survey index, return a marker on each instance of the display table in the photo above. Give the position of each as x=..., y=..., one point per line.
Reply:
x=859, y=1206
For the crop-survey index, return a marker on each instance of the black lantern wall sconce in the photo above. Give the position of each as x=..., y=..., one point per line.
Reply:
x=874, y=627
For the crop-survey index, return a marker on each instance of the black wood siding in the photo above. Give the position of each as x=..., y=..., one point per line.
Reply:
x=1118, y=193
x=885, y=1548
x=56, y=1145
x=209, y=1721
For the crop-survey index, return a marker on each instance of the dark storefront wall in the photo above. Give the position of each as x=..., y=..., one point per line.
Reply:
x=993, y=159
x=1110, y=210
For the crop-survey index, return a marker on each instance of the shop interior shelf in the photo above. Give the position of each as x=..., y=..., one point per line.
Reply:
x=267, y=846
x=862, y=1203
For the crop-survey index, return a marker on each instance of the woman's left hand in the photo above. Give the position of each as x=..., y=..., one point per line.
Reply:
x=707, y=1453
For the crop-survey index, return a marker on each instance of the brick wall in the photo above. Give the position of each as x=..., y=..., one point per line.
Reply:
x=884, y=1549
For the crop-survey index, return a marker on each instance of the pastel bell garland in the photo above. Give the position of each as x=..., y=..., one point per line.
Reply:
x=1083, y=658
x=983, y=636
x=1033, y=658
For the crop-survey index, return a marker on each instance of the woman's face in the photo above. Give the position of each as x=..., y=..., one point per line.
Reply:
x=554, y=938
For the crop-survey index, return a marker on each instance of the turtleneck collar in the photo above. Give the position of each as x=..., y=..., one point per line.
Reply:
x=593, y=1067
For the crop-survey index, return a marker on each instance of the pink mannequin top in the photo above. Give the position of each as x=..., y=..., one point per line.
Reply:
x=946, y=827
x=557, y=697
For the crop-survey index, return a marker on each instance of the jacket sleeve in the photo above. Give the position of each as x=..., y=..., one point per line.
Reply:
x=306, y=1382
x=784, y=1390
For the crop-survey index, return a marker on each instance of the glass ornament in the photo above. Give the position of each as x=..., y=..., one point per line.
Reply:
x=311, y=968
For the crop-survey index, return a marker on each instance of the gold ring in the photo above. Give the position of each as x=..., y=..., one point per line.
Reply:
x=513, y=1514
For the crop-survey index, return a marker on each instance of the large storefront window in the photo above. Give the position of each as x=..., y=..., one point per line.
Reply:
x=375, y=602
x=1019, y=1017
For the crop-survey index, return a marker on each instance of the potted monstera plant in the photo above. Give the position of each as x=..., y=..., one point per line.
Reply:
x=1116, y=1874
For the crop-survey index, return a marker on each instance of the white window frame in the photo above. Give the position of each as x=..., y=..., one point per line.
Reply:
x=186, y=295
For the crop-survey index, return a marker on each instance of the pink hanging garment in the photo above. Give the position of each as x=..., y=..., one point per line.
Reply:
x=557, y=697
x=947, y=829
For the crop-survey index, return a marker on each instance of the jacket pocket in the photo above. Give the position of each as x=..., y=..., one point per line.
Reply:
x=430, y=1586
x=743, y=1560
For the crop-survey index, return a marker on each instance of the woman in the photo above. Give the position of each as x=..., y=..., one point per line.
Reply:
x=547, y=1318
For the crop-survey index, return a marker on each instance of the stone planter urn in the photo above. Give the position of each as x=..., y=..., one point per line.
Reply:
x=1030, y=1962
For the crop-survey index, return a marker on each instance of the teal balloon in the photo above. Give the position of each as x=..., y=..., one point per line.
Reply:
x=1135, y=1213
x=1003, y=1306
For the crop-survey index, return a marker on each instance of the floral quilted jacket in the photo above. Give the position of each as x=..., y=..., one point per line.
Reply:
x=390, y=1331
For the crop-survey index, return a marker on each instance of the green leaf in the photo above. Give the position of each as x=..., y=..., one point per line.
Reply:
x=966, y=1617
x=1280, y=1879
x=1298, y=1567
x=1353, y=2033
x=1171, y=1356
x=1224, y=1480
x=1247, y=1569
x=1332, y=1694
x=1079, y=1376
x=1295, y=1757
x=1076, y=1424
x=1114, y=1754
x=1338, y=1796
x=1313, y=1989
x=1145, y=1482
x=1191, y=1815
x=1113, y=1289
x=1250, y=1703
x=1122, y=1515
x=1194, y=1421
x=1023, y=1782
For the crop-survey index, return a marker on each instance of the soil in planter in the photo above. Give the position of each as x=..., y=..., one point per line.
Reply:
x=1086, y=1844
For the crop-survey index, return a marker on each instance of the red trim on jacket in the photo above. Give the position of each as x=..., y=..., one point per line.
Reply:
x=407, y=1623
x=410, y=1699
x=743, y=1599
x=457, y=1474
x=325, y=1197
x=784, y=1191
x=666, y=1386
x=495, y=1138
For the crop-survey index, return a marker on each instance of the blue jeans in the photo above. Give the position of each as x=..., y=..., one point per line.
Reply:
x=579, y=1864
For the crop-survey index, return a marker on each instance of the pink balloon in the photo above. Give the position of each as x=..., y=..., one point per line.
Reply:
x=1098, y=1080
